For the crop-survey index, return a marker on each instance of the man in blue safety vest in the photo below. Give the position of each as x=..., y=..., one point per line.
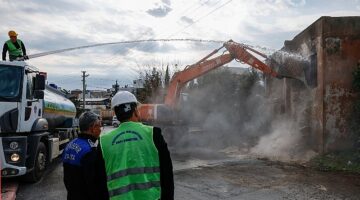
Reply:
x=79, y=161
x=15, y=47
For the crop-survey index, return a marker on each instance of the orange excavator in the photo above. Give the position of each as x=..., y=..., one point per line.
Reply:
x=164, y=113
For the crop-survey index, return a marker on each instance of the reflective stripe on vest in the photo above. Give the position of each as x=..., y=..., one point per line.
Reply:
x=131, y=162
x=13, y=51
x=132, y=171
x=135, y=186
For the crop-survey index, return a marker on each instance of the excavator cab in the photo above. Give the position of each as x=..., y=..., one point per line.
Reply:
x=156, y=113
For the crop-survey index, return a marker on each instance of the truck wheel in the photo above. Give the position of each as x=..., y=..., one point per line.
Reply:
x=40, y=164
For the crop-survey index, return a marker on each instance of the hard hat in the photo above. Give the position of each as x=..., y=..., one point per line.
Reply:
x=12, y=34
x=123, y=97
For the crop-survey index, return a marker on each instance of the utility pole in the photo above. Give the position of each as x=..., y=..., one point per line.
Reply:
x=84, y=75
x=116, y=87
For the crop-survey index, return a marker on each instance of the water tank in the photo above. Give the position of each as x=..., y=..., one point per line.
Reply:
x=58, y=110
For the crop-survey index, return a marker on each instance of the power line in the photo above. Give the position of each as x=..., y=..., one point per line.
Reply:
x=199, y=19
x=114, y=57
x=197, y=8
x=195, y=21
x=189, y=8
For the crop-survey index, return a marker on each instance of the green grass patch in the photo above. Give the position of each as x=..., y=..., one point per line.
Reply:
x=348, y=161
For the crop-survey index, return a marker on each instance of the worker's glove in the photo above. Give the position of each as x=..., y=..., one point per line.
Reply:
x=26, y=57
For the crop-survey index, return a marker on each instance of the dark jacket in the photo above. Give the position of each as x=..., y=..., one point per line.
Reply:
x=80, y=170
x=166, y=168
x=6, y=48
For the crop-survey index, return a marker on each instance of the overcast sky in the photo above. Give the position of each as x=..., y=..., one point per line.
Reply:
x=46, y=25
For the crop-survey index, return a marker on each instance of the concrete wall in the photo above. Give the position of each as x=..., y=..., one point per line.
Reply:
x=341, y=54
x=324, y=56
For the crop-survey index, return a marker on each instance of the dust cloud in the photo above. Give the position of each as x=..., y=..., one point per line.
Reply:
x=283, y=143
x=230, y=113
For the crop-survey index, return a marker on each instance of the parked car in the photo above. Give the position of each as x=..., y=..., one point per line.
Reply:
x=115, y=122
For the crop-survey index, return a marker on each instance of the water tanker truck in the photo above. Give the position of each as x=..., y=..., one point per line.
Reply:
x=36, y=121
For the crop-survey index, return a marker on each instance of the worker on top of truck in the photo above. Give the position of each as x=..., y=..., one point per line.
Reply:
x=134, y=156
x=15, y=47
x=79, y=157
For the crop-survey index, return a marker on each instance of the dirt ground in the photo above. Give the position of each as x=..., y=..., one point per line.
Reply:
x=229, y=179
x=257, y=179
x=203, y=174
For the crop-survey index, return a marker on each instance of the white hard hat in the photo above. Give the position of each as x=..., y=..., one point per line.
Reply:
x=123, y=97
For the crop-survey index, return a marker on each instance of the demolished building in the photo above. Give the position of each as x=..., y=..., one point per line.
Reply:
x=325, y=54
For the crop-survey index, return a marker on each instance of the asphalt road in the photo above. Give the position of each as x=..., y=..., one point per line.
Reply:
x=222, y=175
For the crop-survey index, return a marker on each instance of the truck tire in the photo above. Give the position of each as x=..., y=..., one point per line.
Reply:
x=40, y=164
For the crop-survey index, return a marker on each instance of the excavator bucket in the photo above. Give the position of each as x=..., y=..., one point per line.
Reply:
x=280, y=64
x=290, y=66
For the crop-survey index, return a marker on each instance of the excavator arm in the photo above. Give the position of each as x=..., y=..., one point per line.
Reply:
x=241, y=53
x=236, y=51
x=180, y=79
x=163, y=113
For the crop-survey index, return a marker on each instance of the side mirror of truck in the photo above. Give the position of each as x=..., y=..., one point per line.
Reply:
x=39, y=82
x=39, y=94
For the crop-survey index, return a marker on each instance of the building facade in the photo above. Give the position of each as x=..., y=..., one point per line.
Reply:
x=323, y=58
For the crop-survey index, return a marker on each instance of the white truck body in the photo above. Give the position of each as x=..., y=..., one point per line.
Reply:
x=31, y=120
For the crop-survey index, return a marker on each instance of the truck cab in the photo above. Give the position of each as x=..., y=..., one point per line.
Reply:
x=27, y=144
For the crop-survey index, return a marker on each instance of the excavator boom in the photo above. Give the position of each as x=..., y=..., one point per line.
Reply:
x=236, y=51
x=239, y=52
x=190, y=73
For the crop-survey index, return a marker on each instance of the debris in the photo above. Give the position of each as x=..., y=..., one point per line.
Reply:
x=321, y=187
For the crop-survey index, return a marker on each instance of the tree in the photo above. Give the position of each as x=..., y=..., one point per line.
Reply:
x=156, y=79
x=167, y=77
x=152, y=86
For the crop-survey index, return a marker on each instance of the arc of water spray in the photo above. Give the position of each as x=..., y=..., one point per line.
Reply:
x=121, y=42
x=150, y=40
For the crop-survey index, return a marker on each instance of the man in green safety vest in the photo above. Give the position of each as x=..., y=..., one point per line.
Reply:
x=15, y=47
x=135, y=157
